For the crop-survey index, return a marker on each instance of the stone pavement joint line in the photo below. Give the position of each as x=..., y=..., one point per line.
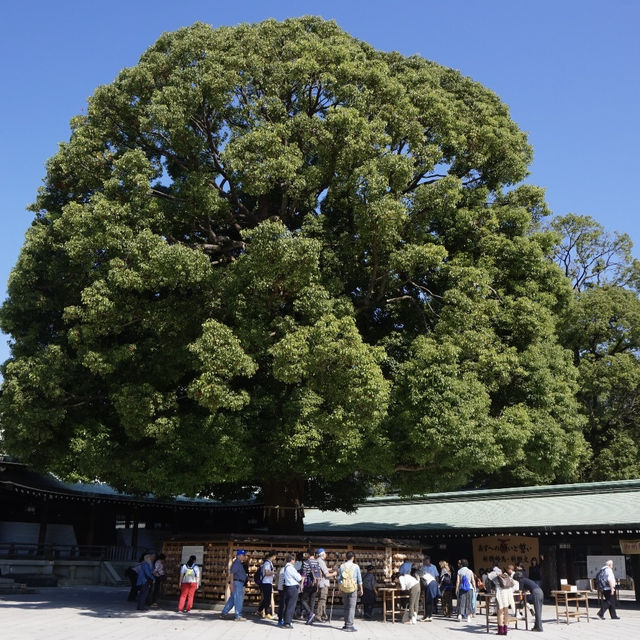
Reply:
x=102, y=613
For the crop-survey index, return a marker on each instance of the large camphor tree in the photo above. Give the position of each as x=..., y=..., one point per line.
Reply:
x=273, y=258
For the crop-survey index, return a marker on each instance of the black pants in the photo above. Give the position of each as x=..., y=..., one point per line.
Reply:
x=428, y=606
x=290, y=599
x=133, y=579
x=368, y=602
x=143, y=592
x=156, y=592
x=265, y=603
x=609, y=603
x=281, y=605
x=308, y=600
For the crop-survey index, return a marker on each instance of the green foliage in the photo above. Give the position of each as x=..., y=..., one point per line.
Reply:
x=602, y=329
x=590, y=256
x=273, y=252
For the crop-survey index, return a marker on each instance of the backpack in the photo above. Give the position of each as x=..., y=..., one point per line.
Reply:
x=348, y=582
x=600, y=582
x=309, y=581
x=465, y=585
x=505, y=581
x=311, y=572
x=257, y=576
x=190, y=574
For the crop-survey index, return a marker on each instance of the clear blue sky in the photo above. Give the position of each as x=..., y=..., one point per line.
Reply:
x=568, y=69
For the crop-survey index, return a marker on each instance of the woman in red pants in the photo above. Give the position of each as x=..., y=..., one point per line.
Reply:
x=189, y=582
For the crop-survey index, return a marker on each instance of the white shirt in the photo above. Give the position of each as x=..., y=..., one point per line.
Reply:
x=427, y=578
x=291, y=576
x=407, y=582
x=610, y=576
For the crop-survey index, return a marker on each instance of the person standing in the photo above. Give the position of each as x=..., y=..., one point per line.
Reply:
x=297, y=565
x=350, y=581
x=280, y=588
x=537, y=597
x=608, y=588
x=323, y=585
x=145, y=581
x=188, y=583
x=405, y=568
x=428, y=567
x=504, y=598
x=369, y=592
x=465, y=590
x=535, y=571
x=292, y=581
x=266, y=585
x=310, y=578
x=237, y=582
x=159, y=577
x=518, y=604
x=446, y=588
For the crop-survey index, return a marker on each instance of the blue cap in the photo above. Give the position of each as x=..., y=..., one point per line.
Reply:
x=321, y=550
x=241, y=552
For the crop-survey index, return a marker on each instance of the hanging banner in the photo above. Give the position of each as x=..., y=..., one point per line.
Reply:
x=630, y=547
x=504, y=550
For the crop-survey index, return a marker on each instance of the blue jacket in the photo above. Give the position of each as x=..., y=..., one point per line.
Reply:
x=145, y=573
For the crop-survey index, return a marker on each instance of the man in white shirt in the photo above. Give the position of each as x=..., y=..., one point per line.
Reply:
x=608, y=592
x=292, y=580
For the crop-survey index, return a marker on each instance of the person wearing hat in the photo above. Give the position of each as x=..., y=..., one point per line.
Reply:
x=323, y=585
x=237, y=581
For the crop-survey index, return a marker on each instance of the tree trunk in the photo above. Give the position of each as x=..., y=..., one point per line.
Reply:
x=283, y=504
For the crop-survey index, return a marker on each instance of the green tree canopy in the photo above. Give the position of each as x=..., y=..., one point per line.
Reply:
x=272, y=256
x=601, y=326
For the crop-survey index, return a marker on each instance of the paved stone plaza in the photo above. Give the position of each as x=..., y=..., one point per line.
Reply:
x=102, y=613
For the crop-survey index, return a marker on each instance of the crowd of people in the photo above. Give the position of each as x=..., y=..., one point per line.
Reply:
x=303, y=582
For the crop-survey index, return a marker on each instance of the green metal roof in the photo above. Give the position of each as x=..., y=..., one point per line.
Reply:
x=594, y=505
